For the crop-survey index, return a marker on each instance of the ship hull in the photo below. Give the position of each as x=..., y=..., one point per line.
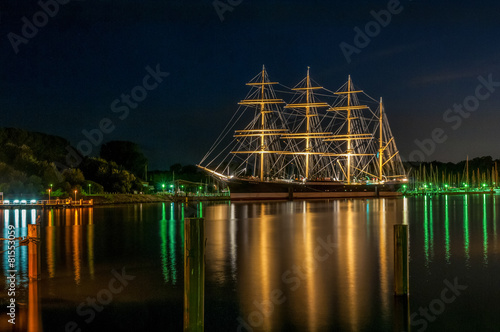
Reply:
x=243, y=189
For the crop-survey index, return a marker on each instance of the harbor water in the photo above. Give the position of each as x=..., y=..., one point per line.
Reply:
x=319, y=265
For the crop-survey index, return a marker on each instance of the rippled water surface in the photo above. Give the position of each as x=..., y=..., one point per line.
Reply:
x=323, y=265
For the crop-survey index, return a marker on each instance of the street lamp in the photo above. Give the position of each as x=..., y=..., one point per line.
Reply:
x=89, y=189
x=75, y=195
x=163, y=187
x=49, y=194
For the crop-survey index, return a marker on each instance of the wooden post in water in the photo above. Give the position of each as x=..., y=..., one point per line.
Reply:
x=33, y=251
x=401, y=271
x=401, y=313
x=34, y=306
x=194, y=274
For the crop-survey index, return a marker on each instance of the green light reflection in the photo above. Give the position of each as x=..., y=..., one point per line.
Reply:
x=426, y=231
x=447, y=230
x=495, y=218
x=168, y=244
x=431, y=227
x=163, y=246
x=485, y=232
x=466, y=228
x=172, y=243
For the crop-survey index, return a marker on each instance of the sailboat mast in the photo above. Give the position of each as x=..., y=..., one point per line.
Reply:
x=349, y=150
x=380, y=142
x=467, y=170
x=263, y=126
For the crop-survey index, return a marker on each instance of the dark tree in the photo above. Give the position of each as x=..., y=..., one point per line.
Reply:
x=125, y=154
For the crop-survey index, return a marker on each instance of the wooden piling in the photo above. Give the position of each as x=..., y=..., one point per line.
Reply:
x=34, y=306
x=401, y=313
x=401, y=266
x=33, y=251
x=194, y=274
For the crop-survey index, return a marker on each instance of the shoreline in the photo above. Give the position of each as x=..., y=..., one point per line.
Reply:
x=115, y=199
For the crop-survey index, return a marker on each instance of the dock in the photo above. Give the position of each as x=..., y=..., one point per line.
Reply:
x=45, y=204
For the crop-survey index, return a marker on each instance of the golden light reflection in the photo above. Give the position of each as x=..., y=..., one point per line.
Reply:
x=258, y=265
x=383, y=256
x=77, y=246
x=50, y=243
x=34, y=306
x=90, y=242
x=348, y=257
x=278, y=255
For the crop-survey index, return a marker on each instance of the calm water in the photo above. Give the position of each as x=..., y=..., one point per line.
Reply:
x=273, y=266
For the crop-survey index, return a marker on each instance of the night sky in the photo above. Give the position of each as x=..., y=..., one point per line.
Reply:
x=69, y=75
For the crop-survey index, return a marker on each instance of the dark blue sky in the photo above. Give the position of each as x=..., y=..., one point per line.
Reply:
x=64, y=79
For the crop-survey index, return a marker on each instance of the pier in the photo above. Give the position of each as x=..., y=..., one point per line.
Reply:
x=193, y=197
x=42, y=204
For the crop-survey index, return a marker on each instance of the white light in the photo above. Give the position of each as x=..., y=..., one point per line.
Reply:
x=23, y=201
x=16, y=201
x=6, y=202
x=33, y=201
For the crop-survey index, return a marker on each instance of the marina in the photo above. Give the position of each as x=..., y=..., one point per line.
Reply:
x=249, y=166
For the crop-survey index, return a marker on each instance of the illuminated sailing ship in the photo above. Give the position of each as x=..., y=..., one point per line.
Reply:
x=307, y=148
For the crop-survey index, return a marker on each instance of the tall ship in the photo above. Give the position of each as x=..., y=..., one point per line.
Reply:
x=319, y=144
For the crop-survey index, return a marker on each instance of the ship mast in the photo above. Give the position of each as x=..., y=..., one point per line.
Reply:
x=380, y=143
x=309, y=106
x=262, y=103
x=349, y=137
x=349, y=149
x=263, y=125
x=308, y=120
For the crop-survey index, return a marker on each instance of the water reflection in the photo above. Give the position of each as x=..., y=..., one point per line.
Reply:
x=168, y=232
x=447, y=230
x=77, y=228
x=299, y=265
x=466, y=229
x=476, y=219
x=485, y=233
x=302, y=265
